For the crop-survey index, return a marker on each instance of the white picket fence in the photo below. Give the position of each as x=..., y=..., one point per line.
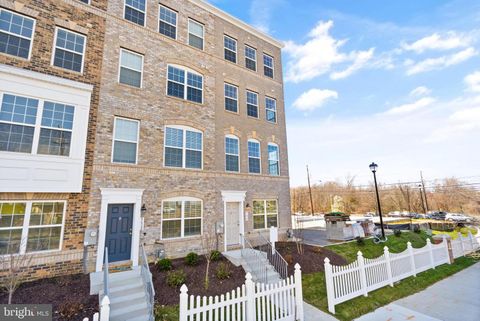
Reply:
x=364, y=275
x=104, y=314
x=252, y=302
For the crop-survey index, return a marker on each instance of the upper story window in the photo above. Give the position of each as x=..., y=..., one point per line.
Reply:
x=131, y=68
x=254, y=161
x=181, y=217
x=125, y=140
x=168, y=22
x=85, y=1
x=185, y=84
x=27, y=227
x=273, y=160
x=232, y=158
x=69, y=50
x=265, y=214
x=252, y=104
x=16, y=34
x=268, y=65
x=271, y=109
x=195, y=34
x=230, y=46
x=183, y=147
x=231, y=98
x=134, y=11
x=251, y=58
x=19, y=122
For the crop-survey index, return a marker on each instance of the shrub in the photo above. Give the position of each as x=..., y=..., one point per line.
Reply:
x=288, y=258
x=176, y=278
x=397, y=232
x=70, y=309
x=215, y=255
x=191, y=259
x=464, y=230
x=223, y=271
x=416, y=229
x=317, y=249
x=164, y=264
x=360, y=240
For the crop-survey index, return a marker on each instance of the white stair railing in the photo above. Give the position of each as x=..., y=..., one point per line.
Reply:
x=148, y=283
x=274, y=257
x=255, y=261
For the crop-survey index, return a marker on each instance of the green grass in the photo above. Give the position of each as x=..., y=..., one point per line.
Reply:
x=315, y=293
x=167, y=313
x=454, y=234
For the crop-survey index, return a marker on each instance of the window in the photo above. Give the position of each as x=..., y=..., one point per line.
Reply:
x=183, y=147
x=265, y=214
x=179, y=78
x=181, y=217
x=273, y=160
x=271, y=109
x=231, y=98
x=195, y=34
x=85, y=1
x=30, y=226
x=69, y=50
x=16, y=34
x=18, y=123
x=251, y=58
x=168, y=22
x=232, y=154
x=134, y=11
x=268, y=65
x=252, y=104
x=230, y=45
x=131, y=67
x=125, y=141
x=254, y=157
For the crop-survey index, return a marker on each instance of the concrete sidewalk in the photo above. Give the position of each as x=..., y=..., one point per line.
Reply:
x=311, y=313
x=452, y=299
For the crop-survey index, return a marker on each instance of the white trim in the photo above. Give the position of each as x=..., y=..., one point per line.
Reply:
x=120, y=67
x=225, y=84
x=237, y=197
x=20, y=36
x=278, y=159
x=247, y=103
x=189, y=33
x=184, y=145
x=120, y=196
x=272, y=110
x=54, y=50
x=259, y=155
x=225, y=48
x=225, y=152
x=273, y=65
x=254, y=60
x=185, y=84
x=265, y=213
x=125, y=141
x=168, y=23
x=182, y=217
x=144, y=13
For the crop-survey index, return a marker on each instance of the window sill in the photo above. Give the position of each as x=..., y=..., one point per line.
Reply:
x=69, y=70
x=232, y=112
x=16, y=57
x=130, y=86
x=185, y=101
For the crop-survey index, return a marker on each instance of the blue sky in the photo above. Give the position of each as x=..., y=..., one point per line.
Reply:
x=395, y=82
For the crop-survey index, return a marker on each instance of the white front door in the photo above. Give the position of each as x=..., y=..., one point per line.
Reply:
x=232, y=226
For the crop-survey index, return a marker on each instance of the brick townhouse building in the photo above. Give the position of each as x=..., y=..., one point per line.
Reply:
x=191, y=136
x=50, y=71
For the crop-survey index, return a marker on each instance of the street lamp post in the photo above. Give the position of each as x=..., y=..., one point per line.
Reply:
x=373, y=168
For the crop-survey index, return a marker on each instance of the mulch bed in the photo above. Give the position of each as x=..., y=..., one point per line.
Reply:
x=312, y=259
x=69, y=295
x=167, y=295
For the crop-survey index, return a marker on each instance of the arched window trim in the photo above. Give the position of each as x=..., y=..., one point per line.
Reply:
x=225, y=151
x=182, y=219
x=185, y=83
x=252, y=140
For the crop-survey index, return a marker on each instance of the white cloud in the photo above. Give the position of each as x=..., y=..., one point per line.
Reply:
x=440, y=62
x=320, y=53
x=261, y=12
x=449, y=41
x=314, y=98
x=408, y=108
x=420, y=91
x=473, y=81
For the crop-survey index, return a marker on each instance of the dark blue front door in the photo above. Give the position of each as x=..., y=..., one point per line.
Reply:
x=119, y=232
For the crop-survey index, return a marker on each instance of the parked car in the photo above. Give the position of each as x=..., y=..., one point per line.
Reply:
x=456, y=217
x=420, y=216
x=370, y=214
x=439, y=216
x=395, y=214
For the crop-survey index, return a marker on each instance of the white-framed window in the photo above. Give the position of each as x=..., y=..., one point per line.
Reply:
x=125, y=140
x=134, y=11
x=196, y=34
x=69, y=50
x=131, y=68
x=254, y=159
x=185, y=84
x=252, y=104
x=265, y=214
x=230, y=46
x=181, y=217
x=232, y=154
x=167, y=24
x=34, y=126
x=271, y=109
x=273, y=160
x=31, y=226
x=183, y=147
x=16, y=34
x=85, y=1
x=268, y=65
x=231, y=98
x=251, y=58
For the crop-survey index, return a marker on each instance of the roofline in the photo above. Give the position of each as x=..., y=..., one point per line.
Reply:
x=237, y=22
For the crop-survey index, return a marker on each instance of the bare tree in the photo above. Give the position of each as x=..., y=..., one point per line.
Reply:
x=208, y=246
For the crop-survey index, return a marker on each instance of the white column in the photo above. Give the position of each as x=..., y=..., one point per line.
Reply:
x=363, y=274
x=386, y=254
x=412, y=258
x=330, y=287
x=430, y=252
x=298, y=292
x=105, y=309
x=250, y=289
x=183, y=303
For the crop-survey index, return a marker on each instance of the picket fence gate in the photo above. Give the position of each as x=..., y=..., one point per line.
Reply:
x=252, y=302
x=365, y=275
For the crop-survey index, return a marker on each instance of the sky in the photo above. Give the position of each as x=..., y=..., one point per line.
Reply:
x=391, y=82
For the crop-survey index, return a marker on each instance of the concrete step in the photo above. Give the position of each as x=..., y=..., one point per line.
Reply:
x=122, y=305
x=124, y=275
x=135, y=315
x=126, y=289
x=127, y=309
x=133, y=295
